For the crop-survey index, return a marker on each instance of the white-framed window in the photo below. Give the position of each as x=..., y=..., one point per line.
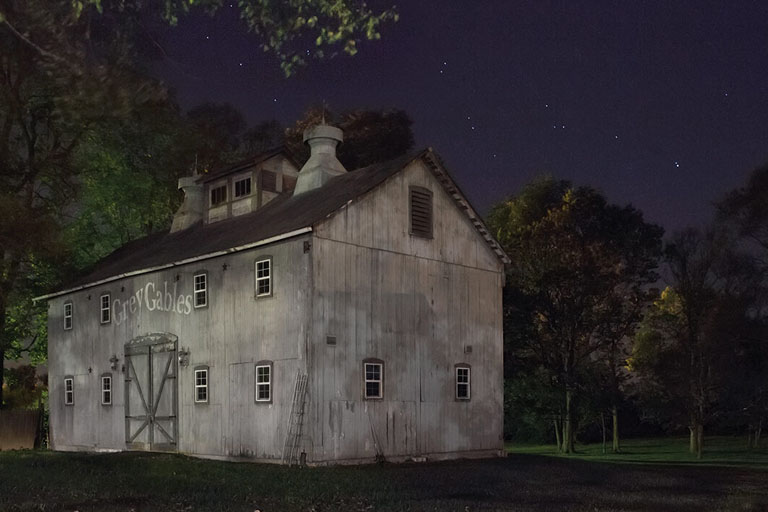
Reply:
x=243, y=187
x=201, y=290
x=104, y=302
x=218, y=195
x=69, y=391
x=106, y=389
x=201, y=384
x=264, y=381
x=264, y=277
x=67, y=315
x=463, y=382
x=373, y=373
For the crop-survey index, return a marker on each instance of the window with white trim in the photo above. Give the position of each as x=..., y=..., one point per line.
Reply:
x=243, y=187
x=201, y=290
x=67, y=315
x=463, y=384
x=374, y=379
x=264, y=382
x=69, y=391
x=106, y=389
x=104, y=301
x=201, y=384
x=264, y=277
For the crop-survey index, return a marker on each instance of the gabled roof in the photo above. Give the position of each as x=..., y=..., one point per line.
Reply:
x=282, y=217
x=249, y=162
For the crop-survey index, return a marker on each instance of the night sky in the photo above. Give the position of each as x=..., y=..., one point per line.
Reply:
x=660, y=104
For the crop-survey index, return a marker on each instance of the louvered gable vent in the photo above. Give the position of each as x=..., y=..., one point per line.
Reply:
x=421, y=212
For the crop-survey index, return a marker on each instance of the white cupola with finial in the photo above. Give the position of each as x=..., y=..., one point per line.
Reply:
x=322, y=164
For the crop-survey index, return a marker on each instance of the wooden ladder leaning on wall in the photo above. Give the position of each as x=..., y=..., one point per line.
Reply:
x=295, y=420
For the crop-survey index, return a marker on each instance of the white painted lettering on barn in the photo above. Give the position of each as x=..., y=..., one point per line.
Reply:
x=152, y=298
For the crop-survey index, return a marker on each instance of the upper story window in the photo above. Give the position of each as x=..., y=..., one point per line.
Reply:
x=104, y=301
x=268, y=181
x=373, y=372
x=421, y=212
x=69, y=391
x=201, y=290
x=67, y=315
x=201, y=384
x=463, y=384
x=243, y=187
x=106, y=389
x=264, y=277
x=218, y=195
x=264, y=381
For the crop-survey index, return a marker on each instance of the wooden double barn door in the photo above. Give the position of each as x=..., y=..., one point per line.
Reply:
x=151, y=393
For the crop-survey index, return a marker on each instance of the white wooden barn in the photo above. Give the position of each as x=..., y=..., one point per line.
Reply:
x=312, y=315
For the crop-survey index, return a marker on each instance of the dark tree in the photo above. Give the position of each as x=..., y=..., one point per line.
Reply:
x=577, y=262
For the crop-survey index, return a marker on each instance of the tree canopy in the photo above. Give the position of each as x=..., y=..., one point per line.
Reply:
x=576, y=262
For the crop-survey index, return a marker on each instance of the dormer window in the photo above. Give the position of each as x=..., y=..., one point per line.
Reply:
x=218, y=195
x=268, y=181
x=243, y=187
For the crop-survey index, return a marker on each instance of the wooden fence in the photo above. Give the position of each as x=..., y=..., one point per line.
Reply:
x=18, y=428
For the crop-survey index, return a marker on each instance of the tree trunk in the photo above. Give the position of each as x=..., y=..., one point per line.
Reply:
x=557, y=435
x=692, y=438
x=699, y=440
x=568, y=427
x=758, y=433
x=616, y=442
x=602, y=426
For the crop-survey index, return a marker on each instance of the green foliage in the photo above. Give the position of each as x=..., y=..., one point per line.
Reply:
x=24, y=390
x=690, y=354
x=575, y=287
x=285, y=27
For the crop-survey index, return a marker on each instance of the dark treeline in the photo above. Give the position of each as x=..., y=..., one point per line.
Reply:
x=611, y=328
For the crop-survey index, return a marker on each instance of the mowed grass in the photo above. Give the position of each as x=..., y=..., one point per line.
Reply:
x=718, y=451
x=41, y=480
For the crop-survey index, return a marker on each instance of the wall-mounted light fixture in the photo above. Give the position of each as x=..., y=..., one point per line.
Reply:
x=184, y=357
x=113, y=361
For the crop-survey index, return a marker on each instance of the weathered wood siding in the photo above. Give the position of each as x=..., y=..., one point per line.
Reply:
x=416, y=304
x=230, y=335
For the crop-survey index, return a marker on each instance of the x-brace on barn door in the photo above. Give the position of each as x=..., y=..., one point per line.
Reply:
x=151, y=393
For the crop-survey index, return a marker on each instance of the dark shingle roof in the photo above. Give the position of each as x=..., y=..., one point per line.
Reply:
x=249, y=162
x=281, y=215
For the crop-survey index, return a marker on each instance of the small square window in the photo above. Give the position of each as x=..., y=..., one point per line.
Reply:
x=201, y=290
x=243, y=187
x=218, y=195
x=106, y=389
x=201, y=385
x=105, y=309
x=373, y=380
x=69, y=391
x=263, y=382
x=462, y=383
x=264, y=277
x=67, y=315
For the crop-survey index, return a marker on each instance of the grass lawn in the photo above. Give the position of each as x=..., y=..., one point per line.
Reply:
x=521, y=482
x=718, y=451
